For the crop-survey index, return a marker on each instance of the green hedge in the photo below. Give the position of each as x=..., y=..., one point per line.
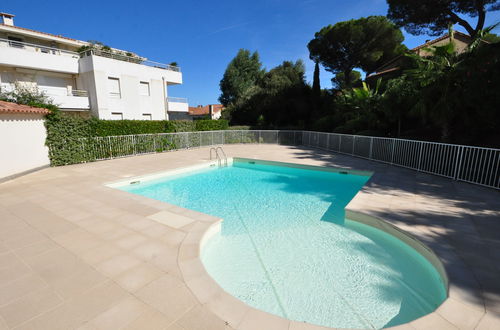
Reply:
x=128, y=127
x=66, y=133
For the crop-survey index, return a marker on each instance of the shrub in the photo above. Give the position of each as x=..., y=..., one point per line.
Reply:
x=128, y=127
x=211, y=125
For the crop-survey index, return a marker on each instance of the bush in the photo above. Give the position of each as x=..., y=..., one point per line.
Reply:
x=181, y=126
x=128, y=127
x=211, y=125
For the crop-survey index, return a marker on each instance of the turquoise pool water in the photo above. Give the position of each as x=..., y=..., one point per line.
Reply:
x=286, y=248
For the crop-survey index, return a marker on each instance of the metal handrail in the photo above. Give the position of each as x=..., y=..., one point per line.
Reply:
x=131, y=59
x=223, y=153
x=38, y=48
x=219, y=161
x=177, y=99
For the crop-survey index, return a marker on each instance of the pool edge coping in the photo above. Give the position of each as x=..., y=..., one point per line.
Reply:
x=208, y=292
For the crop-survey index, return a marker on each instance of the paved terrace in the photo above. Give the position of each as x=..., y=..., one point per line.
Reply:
x=76, y=254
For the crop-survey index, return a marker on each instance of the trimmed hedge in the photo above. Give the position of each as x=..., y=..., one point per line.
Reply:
x=128, y=127
x=65, y=133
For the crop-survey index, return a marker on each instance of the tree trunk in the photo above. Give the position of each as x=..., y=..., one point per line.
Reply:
x=464, y=23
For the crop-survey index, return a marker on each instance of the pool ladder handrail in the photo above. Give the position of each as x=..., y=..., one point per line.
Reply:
x=218, y=156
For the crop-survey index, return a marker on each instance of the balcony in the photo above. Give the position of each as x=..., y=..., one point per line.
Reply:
x=177, y=104
x=38, y=57
x=67, y=98
x=131, y=59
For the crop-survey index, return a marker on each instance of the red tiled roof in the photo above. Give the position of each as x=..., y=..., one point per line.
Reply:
x=48, y=34
x=447, y=35
x=205, y=110
x=9, y=107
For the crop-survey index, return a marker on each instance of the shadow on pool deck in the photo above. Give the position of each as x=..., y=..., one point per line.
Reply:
x=459, y=221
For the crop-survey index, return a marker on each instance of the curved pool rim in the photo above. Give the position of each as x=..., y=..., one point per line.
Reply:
x=207, y=285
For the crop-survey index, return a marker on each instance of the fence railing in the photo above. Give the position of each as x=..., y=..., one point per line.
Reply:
x=36, y=48
x=128, y=58
x=177, y=99
x=464, y=163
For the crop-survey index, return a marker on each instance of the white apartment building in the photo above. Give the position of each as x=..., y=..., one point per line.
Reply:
x=85, y=79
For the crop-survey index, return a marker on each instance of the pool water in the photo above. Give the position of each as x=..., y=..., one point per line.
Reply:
x=286, y=248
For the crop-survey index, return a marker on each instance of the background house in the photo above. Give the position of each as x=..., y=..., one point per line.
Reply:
x=394, y=67
x=87, y=79
x=212, y=111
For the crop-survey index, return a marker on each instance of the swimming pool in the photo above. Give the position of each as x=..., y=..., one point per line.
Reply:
x=285, y=246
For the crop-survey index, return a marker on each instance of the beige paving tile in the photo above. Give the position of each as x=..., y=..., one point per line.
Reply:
x=256, y=319
x=21, y=286
x=490, y=321
x=460, y=315
x=78, y=283
x=201, y=318
x=151, y=320
x=130, y=241
x=204, y=288
x=76, y=312
x=171, y=219
x=29, y=306
x=294, y=325
x=78, y=241
x=168, y=295
x=56, y=265
x=151, y=249
x=137, y=277
x=100, y=253
x=228, y=308
x=430, y=321
x=36, y=248
x=120, y=315
x=118, y=264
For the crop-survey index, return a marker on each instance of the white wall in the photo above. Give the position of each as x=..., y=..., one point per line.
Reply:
x=24, y=58
x=94, y=74
x=22, y=143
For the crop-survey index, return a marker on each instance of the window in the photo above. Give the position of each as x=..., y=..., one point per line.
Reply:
x=114, y=87
x=117, y=115
x=144, y=88
x=146, y=116
x=16, y=42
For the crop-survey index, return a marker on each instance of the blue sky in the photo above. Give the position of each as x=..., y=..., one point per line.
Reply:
x=202, y=36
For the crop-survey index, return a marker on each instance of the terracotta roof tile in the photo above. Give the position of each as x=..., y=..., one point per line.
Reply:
x=45, y=33
x=205, y=110
x=9, y=107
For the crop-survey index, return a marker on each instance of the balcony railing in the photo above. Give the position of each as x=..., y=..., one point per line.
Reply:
x=130, y=59
x=177, y=99
x=36, y=48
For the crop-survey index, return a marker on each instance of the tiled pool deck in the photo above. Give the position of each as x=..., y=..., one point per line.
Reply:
x=75, y=254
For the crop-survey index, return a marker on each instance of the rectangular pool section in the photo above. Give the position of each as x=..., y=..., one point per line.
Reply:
x=285, y=246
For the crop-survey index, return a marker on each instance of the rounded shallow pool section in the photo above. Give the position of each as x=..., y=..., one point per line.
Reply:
x=286, y=248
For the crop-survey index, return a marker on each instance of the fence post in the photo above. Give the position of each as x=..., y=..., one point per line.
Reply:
x=135, y=144
x=458, y=163
x=371, y=148
x=340, y=143
x=223, y=137
x=278, y=137
x=327, y=141
x=212, y=138
x=110, y=149
x=420, y=156
x=392, y=153
x=259, y=137
x=353, y=142
x=241, y=137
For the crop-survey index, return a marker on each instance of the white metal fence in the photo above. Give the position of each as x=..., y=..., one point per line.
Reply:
x=465, y=163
